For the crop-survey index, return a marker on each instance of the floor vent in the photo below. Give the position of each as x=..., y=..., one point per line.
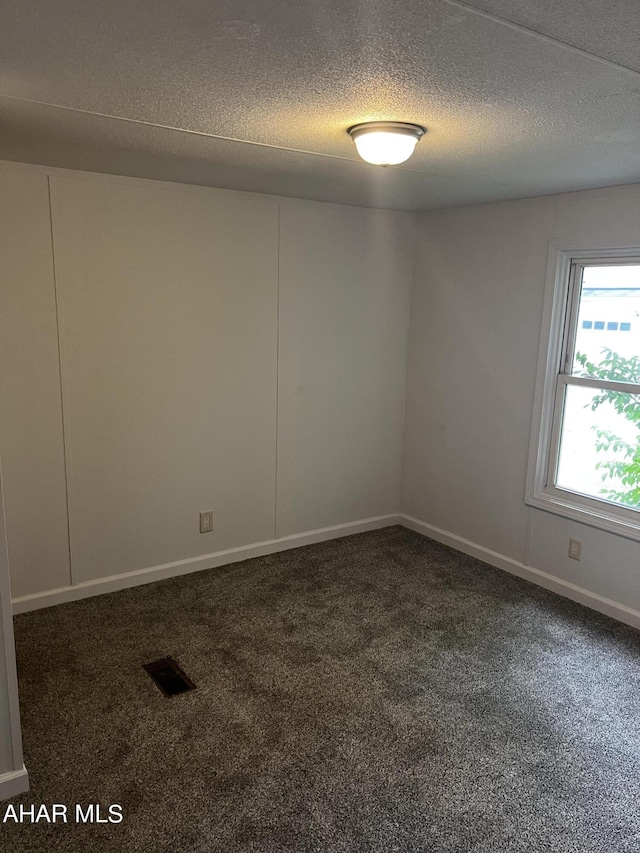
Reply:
x=168, y=676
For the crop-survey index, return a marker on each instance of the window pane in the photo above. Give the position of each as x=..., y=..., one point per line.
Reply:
x=609, y=305
x=600, y=445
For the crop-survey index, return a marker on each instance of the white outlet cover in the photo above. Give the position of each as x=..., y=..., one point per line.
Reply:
x=575, y=549
x=206, y=521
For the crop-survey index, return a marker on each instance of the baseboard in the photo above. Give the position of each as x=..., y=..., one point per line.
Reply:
x=500, y=561
x=14, y=783
x=114, y=583
x=234, y=555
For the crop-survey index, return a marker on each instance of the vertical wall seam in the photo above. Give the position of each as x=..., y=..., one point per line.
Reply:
x=275, y=499
x=72, y=578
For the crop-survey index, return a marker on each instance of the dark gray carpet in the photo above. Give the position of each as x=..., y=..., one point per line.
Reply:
x=376, y=693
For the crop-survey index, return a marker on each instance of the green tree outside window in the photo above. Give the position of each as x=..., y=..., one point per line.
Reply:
x=626, y=468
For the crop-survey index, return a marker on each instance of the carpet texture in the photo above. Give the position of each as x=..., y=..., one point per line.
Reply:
x=375, y=693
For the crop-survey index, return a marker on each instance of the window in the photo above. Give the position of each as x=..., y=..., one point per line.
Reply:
x=585, y=455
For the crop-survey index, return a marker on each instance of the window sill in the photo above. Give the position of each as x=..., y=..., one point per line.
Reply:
x=594, y=513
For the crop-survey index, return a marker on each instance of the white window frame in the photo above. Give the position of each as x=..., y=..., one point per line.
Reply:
x=561, y=305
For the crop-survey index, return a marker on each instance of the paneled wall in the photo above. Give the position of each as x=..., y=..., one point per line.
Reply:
x=31, y=440
x=166, y=350
x=168, y=316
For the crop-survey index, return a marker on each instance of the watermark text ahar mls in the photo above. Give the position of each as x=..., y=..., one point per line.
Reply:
x=61, y=813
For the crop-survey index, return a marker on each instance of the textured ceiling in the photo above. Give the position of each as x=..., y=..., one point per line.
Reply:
x=607, y=28
x=258, y=95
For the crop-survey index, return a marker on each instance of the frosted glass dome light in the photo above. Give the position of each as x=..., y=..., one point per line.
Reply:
x=386, y=143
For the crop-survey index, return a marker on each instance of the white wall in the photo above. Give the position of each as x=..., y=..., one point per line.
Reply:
x=168, y=319
x=13, y=775
x=218, y=350
x=246, y=354
x=31, y=444
x=344, y=316
x=475, y=335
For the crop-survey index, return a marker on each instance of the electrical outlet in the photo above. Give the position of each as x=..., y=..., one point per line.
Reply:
x=206, y=522
x=575, y=549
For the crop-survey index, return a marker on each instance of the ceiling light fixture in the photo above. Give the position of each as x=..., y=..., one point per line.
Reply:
x=386, y=143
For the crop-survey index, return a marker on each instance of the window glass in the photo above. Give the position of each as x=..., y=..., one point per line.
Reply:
x=610, y=301
x=599, y=445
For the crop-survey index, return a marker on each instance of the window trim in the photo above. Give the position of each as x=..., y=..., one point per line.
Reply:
x=561, y=294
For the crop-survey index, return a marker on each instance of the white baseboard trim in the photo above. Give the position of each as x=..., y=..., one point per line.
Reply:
x=14, y=783
x=87, y=589
x=569, y=590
